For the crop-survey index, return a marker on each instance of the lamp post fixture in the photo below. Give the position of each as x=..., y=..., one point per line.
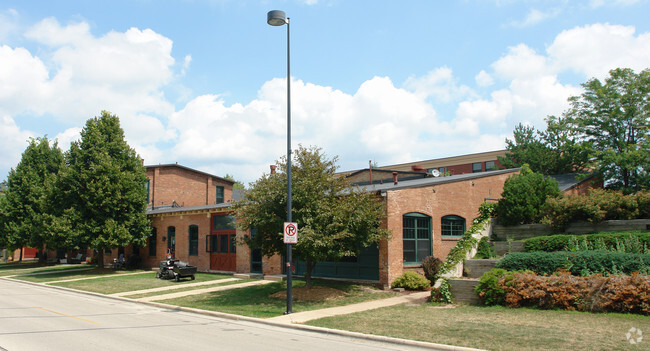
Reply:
x=278, y=18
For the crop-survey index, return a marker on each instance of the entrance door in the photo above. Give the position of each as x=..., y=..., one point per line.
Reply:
x=256, y=255
x=222, y=248
x=171, y=240
x=222, y=244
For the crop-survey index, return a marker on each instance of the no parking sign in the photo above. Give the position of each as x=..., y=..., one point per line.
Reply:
x=290, y=233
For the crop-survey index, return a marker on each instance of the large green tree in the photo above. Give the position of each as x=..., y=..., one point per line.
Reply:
x=553, y=151
x=334, y=219
x=612, y=118
x=27, y=220
x=103, y=189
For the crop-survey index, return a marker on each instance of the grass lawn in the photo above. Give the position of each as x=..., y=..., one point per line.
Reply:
x=256, y=301
x=52, y=276
x=189, y=288
x=15, y=268
x=122, y=283
x=497, y=328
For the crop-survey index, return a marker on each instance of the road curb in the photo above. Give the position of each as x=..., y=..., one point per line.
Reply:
x=322, y=330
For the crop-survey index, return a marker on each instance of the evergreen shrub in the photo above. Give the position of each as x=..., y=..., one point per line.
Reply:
x=577, y=263
x=410, y=280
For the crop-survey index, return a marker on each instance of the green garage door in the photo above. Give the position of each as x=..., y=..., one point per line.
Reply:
x=363, y=267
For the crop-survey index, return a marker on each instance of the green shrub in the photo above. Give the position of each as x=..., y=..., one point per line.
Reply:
x=599, y=205
x=578, y=263
x=486, y=210
x=630, y=242
x=431, y=267
x=489, y=290
x=484, y=249
x=410, y=280
x=523, y=196
x=442, y=293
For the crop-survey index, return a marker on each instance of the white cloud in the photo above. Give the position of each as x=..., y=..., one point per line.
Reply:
x=535, y=17
x=483, y=79
x=595, y=49
x=66, y=137
x=13, y=142
x=439, y=84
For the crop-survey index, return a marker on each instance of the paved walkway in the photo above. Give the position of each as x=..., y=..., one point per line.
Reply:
x=302, y=317
x=181, y=286
x=202, y=291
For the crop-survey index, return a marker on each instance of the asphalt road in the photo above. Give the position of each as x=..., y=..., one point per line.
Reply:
x=43, y=318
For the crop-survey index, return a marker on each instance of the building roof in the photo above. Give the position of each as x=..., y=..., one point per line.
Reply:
x=422, y=182
x=171, y=209
x=571, y=180
x=449, y=161
x=176, y=165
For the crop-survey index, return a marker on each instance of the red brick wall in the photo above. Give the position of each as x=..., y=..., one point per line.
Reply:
x=459, y=198
x=168, y=184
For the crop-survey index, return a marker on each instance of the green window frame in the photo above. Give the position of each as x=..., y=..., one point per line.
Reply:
x=452, y=226
x=147, y=186
x=490, y=166
x=416, y=237
x=221, y=194
x=193, y=240
x=476, y=167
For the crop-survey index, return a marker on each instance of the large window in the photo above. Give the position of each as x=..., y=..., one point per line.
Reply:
x=476, y=167
x=223, y=222
x=171, y=240
x=416, y=237
x=221, y=197
x=453, y=225
x=490, y=166
x=148, y=189
x=153, y=241
x=194, y=240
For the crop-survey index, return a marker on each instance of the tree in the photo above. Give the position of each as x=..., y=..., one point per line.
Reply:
x=334, y=220
x=103, y=189
x=612, y=120
x=27, y=220
x=237, y=185
x=553, y=151
x=523, y=196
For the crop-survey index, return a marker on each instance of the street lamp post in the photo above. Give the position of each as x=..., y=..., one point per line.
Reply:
x=279, y=18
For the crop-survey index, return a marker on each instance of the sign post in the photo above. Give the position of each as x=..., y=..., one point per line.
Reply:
x=290, y=237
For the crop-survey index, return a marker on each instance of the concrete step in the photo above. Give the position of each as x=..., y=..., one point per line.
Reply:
x=275, y=278
x=476, y=268
x=504, y=247
x=462, y=291
x=248, y=275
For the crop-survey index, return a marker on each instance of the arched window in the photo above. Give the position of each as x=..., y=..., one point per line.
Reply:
x=416, y=237
x=193, y=240
x=452, y=225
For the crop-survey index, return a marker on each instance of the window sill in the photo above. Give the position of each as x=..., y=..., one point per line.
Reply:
x=411, y=265
x=451, y=238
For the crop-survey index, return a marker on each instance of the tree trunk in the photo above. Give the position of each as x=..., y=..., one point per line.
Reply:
x=41, y=257
x=20, y=257
x=310, y=269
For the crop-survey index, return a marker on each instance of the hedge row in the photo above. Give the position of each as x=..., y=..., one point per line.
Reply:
x=617, y=293
x=582, y=263
x=606, y=241
x=599, y=205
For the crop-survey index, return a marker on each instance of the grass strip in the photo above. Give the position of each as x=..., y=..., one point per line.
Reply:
x=256, y=301
x=495, y=328
x=10, y=269
x=118, y=284
x=189, y=288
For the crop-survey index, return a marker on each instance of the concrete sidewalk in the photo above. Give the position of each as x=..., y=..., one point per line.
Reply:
x=302, y=317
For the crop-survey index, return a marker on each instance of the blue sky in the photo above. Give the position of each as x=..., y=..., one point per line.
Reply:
x=202, y=82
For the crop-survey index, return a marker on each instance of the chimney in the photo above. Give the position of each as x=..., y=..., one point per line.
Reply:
x=273, y=169
x=395, y=178
x=418, y=168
